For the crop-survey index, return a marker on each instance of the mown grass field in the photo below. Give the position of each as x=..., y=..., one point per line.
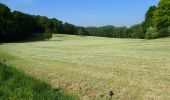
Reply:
x=89, y=67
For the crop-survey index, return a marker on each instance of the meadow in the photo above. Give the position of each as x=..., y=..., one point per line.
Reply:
x=90, y=67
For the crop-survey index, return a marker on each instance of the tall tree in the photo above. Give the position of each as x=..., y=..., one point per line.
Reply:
x=5, y=22
x=148, y=22
x=69, y=28
x=162, y=17
x=137, y=31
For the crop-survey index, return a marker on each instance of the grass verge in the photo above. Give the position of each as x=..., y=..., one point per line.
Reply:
x=15, y=85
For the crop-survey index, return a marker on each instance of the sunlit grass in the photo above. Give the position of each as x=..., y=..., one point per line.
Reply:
x=90, y=67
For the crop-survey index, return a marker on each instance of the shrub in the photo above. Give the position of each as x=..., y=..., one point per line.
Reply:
x=151, y=33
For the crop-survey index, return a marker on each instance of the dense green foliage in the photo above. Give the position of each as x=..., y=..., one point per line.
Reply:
x=135, y=31
x=157, y=18
x=101, y=31
x=19, y=26
x=162, y=14
x=155, y=25
x=149, y=18
x=15, y=85
x=151, y=33
x=162, y=18
x=16, y=25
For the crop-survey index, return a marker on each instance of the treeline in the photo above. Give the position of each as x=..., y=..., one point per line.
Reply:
x=155, y=25
x=16, y=25
x=135, y=31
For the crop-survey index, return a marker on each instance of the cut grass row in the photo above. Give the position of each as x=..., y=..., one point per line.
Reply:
x=15, y=85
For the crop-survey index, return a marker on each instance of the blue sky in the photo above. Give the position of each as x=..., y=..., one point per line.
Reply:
x=86, y=12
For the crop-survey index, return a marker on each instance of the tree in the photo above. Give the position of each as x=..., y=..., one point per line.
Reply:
x=56, y=26
x=137, y=31
x=169, y=30
x=15, y=26
x=81, y=31
x=162, y=17
x=148, y=22
x=69, y=28
x=163, y=32
x=5, y=22
x=4, y=11
x=107, y=31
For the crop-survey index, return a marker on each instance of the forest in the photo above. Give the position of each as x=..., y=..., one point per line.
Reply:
x=15, y=26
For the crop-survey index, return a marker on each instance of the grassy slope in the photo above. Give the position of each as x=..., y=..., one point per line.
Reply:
x=91, y=66
x=15, y=85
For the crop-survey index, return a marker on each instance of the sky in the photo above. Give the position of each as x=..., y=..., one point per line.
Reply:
x=86, y=12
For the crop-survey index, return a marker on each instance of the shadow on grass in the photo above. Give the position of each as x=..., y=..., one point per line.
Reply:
x=33, y=38
x=15, y=85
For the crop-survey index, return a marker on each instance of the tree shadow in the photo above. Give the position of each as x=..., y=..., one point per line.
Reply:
x=36, y=89
x=30, y=39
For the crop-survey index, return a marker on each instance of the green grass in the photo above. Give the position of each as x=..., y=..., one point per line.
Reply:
x=15, y=85
x=89, y=67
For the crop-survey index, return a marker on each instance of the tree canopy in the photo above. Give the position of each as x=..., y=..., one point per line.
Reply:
x=15, y=26
x=148, y=22
x=162, y=17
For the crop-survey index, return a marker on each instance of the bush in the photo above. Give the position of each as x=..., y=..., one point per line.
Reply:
x=151, y=33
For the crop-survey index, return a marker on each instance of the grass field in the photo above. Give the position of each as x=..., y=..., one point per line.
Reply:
x=89, y=67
